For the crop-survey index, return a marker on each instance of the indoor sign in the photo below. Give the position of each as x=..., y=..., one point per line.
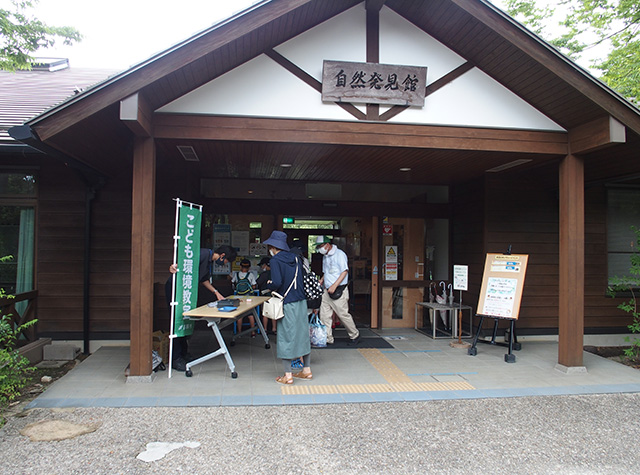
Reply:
x=373, y=83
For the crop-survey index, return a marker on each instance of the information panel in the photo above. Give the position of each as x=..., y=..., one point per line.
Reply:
x=502, y=284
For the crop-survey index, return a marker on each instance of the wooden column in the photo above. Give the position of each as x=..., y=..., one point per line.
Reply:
x=136, y=114
x=375, y=271
x=142, y=254
x=571, y=286
x=373, y=47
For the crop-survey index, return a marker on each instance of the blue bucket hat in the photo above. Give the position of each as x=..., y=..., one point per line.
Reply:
x=278, y=239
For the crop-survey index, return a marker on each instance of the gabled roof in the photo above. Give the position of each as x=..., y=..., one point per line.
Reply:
x=26, y=94
x=476, y=30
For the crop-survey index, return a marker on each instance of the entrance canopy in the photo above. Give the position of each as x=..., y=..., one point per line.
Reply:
x=245, y=94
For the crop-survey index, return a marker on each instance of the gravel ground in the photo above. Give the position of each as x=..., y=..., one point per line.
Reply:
x=535, y=435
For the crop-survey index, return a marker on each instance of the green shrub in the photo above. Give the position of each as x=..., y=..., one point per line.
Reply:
x=631, y=284
x=14, y=368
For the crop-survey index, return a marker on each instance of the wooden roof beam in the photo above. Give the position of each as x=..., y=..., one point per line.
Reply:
x=374, y=5
x=185, y=127
x=136, y=113
x=596, y=134
x=95, y=99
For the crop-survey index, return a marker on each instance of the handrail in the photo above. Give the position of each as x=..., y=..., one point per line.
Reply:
x=8, y=307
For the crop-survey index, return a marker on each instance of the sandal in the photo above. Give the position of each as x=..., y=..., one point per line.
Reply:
x=283, y=380
x=302, y=375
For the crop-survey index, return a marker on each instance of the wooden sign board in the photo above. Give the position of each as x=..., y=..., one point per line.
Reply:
x=502, y=284
x=373, y=83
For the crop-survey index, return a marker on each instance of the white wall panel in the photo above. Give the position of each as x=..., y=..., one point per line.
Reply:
x=476, y=100
x=341, y=38
x=260, y=88
x=401, y=42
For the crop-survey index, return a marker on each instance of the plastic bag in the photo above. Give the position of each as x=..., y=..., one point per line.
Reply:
x=317, y=332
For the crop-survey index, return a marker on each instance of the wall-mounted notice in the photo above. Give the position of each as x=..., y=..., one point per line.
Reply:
x=391, y=254
x=391, y=271
x=502, y=284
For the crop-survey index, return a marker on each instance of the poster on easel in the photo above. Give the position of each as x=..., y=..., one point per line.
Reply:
x=502, y=284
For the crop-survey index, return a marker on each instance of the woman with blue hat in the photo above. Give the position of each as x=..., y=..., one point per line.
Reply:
x=293, y=329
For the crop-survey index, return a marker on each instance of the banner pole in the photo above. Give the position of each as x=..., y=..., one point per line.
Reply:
x=173, y=286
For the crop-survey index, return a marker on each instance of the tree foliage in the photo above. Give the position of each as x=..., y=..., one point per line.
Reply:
x=577, y=26
x=629, y=285
x=21, y=34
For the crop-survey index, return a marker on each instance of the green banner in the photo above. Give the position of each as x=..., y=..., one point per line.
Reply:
x=188, y=258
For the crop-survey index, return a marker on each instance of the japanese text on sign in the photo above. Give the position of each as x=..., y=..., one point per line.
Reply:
x=373, y=83
x=188, y=260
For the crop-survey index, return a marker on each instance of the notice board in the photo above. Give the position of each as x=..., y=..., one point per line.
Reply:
x=502, y=283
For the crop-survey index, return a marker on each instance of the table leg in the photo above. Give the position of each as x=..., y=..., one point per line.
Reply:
x=263, y=332
x=222, y=351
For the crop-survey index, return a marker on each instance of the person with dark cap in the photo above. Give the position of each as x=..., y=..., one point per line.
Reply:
x=263, y=277
x=335, y=277
x=206, y=293
x=293, y=329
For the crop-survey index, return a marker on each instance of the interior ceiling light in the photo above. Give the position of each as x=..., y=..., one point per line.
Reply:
x=515, y=163
x=285, y=165
x=405, y=169
x=188, y=153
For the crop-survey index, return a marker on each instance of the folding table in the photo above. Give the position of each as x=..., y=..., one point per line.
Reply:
x=217, y=320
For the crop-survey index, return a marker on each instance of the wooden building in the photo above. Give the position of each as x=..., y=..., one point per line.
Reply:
x=513, y=145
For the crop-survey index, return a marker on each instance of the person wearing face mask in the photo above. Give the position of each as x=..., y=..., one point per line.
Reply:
x=335, y=269
x=206, y=293
x=293, y=329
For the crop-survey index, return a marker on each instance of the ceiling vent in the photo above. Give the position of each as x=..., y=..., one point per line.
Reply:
x=188, y=153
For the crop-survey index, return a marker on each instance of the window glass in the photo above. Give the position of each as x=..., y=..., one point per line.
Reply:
x=17, y=241
x=623, y=213
x=17, y=184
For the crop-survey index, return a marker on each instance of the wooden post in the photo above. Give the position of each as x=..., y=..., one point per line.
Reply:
x=375, y=271
x=373, y=48
x=571, y=285
x=142, y=255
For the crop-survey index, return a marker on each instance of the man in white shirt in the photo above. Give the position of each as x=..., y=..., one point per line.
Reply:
x=335, y=268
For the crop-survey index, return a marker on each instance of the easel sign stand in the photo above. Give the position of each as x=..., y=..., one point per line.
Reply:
x=460, y=280
x=500, y=297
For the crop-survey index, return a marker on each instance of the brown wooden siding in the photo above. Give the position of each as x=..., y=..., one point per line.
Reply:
x=467, y=234
x=522, y=210
x=60, y=248
x=60, y=253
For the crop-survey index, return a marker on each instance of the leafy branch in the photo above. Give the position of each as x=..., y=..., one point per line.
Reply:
x=21, y=34
x=630, y=284
x=575, y=26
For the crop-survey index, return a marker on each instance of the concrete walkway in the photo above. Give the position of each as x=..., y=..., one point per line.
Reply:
x=414, y=368
x=429, y=408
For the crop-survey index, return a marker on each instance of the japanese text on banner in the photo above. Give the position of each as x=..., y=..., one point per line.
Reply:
x=188, y=262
